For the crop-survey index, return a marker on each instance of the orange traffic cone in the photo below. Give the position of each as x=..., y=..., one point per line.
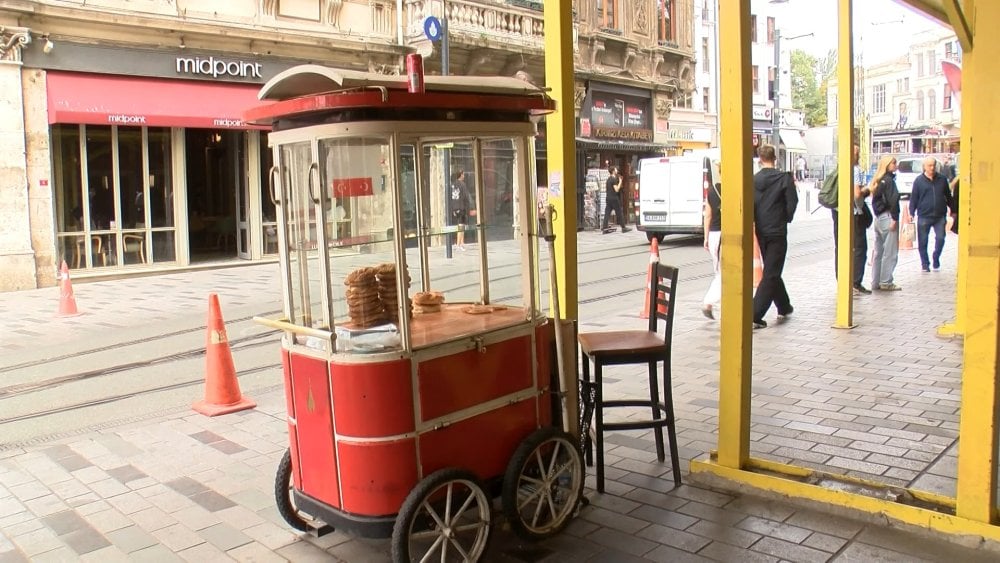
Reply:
x=67, y=303
x=222, y=389
x=654, y=258
x=905, y=243
x=758, y=264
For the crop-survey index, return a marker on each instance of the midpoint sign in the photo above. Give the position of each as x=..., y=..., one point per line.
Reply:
x=217, y=67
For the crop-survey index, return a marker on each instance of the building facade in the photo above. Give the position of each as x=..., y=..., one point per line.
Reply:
x=635, y=74
x=910, y=105
x=131, y=154
x=698, y=125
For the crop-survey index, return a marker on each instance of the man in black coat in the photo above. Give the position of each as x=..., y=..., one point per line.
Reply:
x=930, y=202
x=775, y=200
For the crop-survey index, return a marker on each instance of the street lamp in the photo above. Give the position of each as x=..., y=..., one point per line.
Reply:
x=775, y=111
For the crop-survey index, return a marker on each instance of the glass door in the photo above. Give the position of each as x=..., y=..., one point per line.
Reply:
x=241, y=173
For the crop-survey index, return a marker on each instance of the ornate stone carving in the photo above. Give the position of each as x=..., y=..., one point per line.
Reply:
x=331, y=12
x=12, y=39
x=383, y=68
x=579, y=94
x=269, y=7
x=663, y=107
x=641, y=18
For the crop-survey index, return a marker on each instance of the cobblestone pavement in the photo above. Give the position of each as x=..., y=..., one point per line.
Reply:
x=880, y=401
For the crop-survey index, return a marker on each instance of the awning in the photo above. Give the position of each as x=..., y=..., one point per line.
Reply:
x=793, y=141
x=97, y=99
x=626, y=146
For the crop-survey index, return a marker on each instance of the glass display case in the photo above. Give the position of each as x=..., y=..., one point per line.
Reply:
x=426, y=237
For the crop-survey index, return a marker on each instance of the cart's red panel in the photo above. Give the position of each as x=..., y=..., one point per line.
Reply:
x=459, y=381
x=543, y=356
x=314, y=425
x=292, y=433
x=377, y=476
x=373, y=399
x=483, y=444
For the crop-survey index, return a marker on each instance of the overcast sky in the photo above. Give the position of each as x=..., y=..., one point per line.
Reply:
x=883, y=28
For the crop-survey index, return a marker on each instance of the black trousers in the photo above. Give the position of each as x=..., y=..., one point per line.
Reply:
x=859, y=248
x=772, y=288
x=613, y=204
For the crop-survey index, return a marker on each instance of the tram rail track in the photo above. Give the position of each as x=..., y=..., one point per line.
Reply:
x=249, y=342
x=185, y=331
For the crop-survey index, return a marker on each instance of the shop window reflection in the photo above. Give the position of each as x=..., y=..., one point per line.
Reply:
x=110, y=184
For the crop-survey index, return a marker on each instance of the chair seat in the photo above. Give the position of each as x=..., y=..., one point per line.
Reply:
x=620, y=342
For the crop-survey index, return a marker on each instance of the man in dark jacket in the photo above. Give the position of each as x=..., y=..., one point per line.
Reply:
x=930, y=201
x=775, y=200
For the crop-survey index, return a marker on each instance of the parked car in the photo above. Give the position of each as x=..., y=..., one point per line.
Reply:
x=907, y=170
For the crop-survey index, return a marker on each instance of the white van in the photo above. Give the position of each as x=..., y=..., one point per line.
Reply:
x=670, y=194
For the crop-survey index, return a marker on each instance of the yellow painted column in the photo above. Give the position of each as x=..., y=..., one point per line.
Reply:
x=977, y=462
x=961, y=23
x=845, y=149
x=561, y=147
x=737, y=237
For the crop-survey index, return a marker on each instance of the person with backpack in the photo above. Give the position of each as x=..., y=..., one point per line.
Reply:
x=862, y=220
x=885, y=203
x=775, y=200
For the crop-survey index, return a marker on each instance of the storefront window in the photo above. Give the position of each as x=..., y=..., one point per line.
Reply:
x=125, y=174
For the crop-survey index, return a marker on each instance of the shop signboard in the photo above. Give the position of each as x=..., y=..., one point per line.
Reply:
x=620, y=116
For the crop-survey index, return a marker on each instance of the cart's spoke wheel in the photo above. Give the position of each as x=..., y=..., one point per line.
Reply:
x=543, y=484
x=445, y=518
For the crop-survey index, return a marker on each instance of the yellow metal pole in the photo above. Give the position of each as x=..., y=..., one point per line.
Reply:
x=560, y=145
x=737, y=238
x=845, y=150
x=976, y=493
x=961, y=24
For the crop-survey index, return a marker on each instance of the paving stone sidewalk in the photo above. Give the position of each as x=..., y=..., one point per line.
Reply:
x=879, y=401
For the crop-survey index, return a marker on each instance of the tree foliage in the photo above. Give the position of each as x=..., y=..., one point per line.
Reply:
x=810, y=76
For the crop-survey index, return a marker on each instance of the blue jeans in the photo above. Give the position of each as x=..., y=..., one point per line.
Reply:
x=886, y=251
x=923, y=235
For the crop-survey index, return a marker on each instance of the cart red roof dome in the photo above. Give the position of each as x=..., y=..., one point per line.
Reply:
x=310, y=89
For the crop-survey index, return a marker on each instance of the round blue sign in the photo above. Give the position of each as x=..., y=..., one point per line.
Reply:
x=432, y=28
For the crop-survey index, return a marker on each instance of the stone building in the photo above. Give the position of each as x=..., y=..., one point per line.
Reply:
x=121, y=123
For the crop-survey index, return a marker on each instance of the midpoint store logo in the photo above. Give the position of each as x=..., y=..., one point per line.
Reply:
x=229, y=123
x=217, y=67
x=123, y=119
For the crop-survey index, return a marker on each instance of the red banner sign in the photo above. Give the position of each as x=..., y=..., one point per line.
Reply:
x=351, y=187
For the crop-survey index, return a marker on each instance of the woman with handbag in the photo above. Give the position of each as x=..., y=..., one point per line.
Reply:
x=885, y=203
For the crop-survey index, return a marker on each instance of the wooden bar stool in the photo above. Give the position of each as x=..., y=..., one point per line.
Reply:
x=637, y=347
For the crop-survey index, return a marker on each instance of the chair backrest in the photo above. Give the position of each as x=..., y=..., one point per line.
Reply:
x=662, y=298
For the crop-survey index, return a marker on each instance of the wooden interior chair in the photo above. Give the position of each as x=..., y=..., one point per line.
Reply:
x=637, y=347
x=135, y=243
x=96, y=247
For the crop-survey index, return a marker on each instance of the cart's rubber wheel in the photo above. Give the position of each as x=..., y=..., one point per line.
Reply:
x=446, y=517
x=283, y=495
x=543, y=484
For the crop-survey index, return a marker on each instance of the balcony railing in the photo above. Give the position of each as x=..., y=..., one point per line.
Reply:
x=519, y=23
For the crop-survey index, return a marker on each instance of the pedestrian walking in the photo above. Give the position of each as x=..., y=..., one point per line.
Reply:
x=613, y=202
x=775, y=200
x=461, y=202
x=713, y=243
x=800, y=168
x=930, y=202
x=885, y=204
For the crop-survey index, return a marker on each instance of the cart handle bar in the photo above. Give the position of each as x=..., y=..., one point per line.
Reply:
x=283, y=324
